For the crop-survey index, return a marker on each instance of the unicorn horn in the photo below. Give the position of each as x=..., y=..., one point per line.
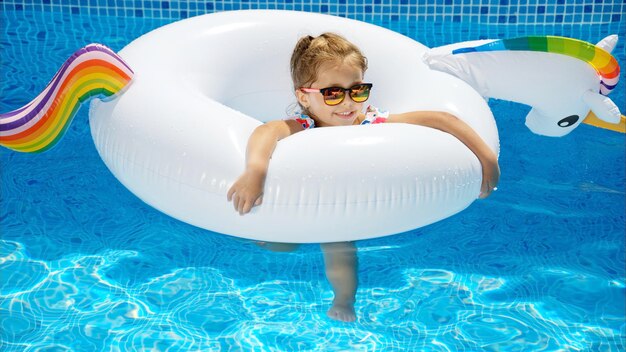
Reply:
x=607, y=44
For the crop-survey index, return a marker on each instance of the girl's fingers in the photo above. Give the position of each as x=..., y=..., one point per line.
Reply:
x=487, y=189
x=238, y=202
x=235, y=201
x=247, y=206
x=240, y=205
x=243, y=206
x=484, y=191
x=241, y=201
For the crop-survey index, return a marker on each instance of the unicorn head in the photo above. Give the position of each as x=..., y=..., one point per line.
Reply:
x=564, y=80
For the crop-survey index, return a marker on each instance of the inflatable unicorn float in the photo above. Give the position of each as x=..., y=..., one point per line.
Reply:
x=178, y=104
x=563, y=89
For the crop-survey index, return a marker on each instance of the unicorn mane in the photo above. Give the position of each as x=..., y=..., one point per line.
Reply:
x=602, y=61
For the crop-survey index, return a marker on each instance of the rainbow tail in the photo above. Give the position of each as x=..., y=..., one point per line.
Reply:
x=91, y=71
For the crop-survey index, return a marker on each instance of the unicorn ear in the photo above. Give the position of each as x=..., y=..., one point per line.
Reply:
x=608, y=43
x=603, y=107
x=461, y=66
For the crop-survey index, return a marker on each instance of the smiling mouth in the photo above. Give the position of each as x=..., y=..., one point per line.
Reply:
x=345, y=115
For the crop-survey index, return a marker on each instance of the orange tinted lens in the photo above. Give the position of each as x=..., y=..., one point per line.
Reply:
x=360, y=93
x=334, y=96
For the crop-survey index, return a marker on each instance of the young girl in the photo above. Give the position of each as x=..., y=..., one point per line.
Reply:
x=327, y=73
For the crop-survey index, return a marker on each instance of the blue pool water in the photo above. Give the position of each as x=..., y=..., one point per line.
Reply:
x=84, y=265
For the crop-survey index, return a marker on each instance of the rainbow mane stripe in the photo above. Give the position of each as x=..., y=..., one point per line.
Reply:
x=602, y=61
x=94, y=70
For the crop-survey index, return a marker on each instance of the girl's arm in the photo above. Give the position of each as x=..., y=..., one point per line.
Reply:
x=451, y=124
x=247, y=191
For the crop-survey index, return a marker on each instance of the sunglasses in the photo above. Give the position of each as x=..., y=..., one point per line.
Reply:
x=359, y=93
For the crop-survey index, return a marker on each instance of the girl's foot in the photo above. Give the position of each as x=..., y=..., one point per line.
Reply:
x=342, y=311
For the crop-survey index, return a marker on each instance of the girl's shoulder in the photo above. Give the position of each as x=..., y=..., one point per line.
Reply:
x=373, y=115
x=305, y=120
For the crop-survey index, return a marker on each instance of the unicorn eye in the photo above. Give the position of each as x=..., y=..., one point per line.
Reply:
x=568, y=121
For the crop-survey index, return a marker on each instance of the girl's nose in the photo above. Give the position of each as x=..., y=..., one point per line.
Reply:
x=347, y=101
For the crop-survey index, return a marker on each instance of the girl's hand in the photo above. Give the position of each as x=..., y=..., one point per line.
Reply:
x=247, y=191
x=491, y=176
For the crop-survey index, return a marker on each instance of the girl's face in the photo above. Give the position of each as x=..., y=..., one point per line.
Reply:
x=333, y=74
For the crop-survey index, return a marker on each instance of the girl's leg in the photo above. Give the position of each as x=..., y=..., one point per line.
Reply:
x=341, y=267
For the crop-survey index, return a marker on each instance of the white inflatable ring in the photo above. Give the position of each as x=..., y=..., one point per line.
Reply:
x=177, y=137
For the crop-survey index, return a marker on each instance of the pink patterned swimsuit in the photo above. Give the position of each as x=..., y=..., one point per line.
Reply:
x=372, y=116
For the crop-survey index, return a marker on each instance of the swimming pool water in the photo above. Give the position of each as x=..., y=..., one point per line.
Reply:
x=84, y=265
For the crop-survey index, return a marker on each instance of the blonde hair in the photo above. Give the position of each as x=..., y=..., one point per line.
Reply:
x=311, y=52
